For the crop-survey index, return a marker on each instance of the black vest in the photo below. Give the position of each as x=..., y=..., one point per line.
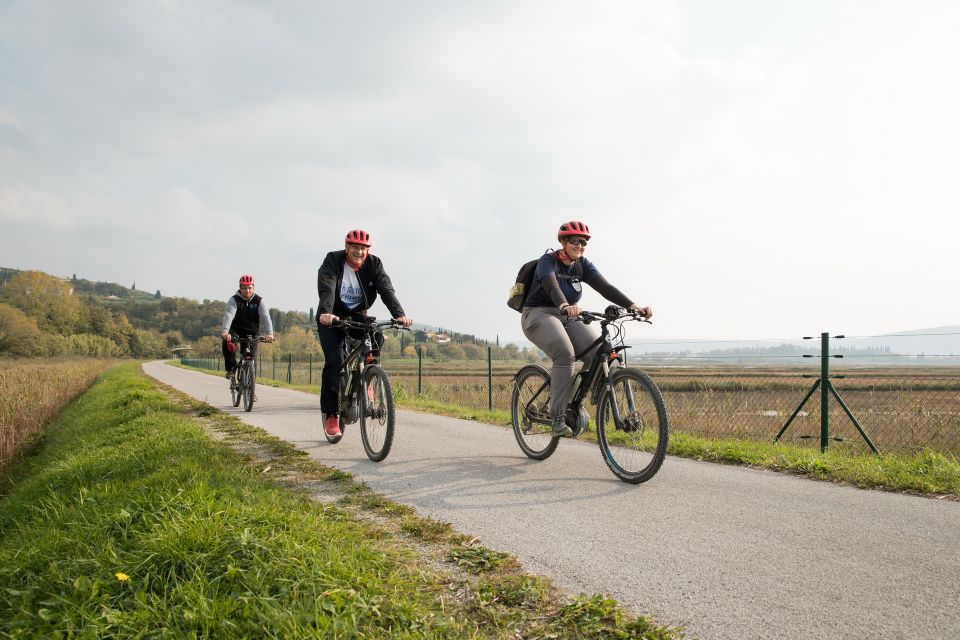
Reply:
x=247, y=320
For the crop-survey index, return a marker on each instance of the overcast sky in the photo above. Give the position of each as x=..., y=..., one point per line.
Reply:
x=750, y=169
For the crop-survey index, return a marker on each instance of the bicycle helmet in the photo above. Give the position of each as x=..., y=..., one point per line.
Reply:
x=573, y=228
x=246, y=279
x=358, y=236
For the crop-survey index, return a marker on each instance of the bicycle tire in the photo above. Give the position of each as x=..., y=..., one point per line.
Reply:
x=249, y=386
x=635, y=448
x=235, y=395
x=377, y=417
x=535, y=439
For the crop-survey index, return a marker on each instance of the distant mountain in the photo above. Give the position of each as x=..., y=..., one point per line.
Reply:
x=940, y=343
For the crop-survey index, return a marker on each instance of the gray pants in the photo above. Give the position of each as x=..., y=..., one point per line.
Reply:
x=560, y=338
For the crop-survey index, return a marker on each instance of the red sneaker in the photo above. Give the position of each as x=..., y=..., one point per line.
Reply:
x=332, y=427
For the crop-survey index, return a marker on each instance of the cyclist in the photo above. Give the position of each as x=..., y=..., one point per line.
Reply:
x=550, y=309
x=348, y=282
x=244, y=316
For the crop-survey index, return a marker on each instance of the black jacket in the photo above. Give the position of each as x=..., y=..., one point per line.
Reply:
x=373, y=280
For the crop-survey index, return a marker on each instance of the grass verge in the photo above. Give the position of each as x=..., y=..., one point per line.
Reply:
x=130, y=521
x=930, y=473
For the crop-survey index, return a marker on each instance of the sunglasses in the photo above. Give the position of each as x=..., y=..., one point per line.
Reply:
x=580, y=242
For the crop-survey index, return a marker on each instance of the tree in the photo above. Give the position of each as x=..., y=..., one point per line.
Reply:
x=298, y=341
x=157, y=295
x=19, y=335
x=47, y=299
x=207, y=346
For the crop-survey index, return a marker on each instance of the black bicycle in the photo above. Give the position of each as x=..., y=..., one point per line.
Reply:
x=243, y=386
x=631, y=417
x=365, y=390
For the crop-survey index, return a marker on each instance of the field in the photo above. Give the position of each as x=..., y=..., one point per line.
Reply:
x=32, y=392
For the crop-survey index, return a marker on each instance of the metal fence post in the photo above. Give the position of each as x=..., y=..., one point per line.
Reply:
x=274, y=376
x=419, y=371
x=824, y=396
x=490, y=378
x=310, y=370
x=289, y=368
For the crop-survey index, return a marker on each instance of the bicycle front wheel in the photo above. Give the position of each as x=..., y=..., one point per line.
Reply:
x=376, y=413
x=531, y=399
x=249, y=386
x=632, y=426
x=235, y=395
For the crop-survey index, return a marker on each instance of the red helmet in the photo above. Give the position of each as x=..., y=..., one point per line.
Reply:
x=246, y=279
x=358, y=236
x=573, y=228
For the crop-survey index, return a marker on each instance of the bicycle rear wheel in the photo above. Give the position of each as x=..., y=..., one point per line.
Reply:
x=531, y=399
x=249, y=385
x=376, y=413
x=635, y=445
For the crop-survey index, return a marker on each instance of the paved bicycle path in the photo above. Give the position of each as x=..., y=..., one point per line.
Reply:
x=729, y=552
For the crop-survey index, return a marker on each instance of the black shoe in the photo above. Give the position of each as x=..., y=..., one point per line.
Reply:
x=560, y=428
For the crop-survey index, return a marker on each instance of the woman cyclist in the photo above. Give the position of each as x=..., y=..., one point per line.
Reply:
x=550, y=309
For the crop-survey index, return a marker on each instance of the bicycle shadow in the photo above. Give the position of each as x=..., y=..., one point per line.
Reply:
x=490, y=483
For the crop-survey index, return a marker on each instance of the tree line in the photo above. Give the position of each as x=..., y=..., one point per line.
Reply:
x=43, y=315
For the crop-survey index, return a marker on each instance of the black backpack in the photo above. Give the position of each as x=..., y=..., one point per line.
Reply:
x=522, y=288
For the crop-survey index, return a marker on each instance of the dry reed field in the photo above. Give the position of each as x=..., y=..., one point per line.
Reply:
x=32, y=392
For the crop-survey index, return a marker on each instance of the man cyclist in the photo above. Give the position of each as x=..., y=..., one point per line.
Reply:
x=348, y=282
x=550, y=309
x=244, y=316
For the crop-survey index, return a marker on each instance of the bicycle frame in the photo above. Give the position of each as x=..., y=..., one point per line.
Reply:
x=357, y=350
x=597, y=371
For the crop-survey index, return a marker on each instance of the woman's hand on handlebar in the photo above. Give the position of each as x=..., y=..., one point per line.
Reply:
x=328, y=319
x=645, y=312
x=572, y=310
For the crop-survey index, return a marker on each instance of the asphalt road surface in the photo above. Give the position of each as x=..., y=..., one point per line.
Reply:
x=726, y=551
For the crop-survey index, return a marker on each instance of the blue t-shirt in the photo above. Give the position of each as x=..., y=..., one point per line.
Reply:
x=571, y=287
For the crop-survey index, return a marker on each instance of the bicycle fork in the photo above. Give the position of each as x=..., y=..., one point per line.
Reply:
x=614, y=405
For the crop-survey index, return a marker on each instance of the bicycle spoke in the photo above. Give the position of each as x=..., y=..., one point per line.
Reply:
x=632, y=427
x=531, y=401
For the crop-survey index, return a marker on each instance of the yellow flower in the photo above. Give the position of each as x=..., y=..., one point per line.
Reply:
x=122, y=577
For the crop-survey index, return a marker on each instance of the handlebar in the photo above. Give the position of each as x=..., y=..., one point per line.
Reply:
x=346, y=323
x=238, y=338
x=612, y=314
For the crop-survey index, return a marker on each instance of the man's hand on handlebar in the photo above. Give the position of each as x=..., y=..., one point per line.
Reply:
x=404, y=320
x=572, y=310
x=268, y=338
x=328, y=319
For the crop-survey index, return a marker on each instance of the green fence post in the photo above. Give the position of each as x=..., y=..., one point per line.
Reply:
x=419, y=371
x=824, y=396
x=490, y=378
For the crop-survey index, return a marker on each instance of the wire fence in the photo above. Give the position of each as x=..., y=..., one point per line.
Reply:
x=889, y=401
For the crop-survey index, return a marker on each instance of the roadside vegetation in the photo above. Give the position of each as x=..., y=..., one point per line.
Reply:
x=32, y=392
x=132, y=521
x=932, y=473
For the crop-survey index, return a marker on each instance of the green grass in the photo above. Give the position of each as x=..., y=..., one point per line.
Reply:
x=927, y=473
x=130, y=521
